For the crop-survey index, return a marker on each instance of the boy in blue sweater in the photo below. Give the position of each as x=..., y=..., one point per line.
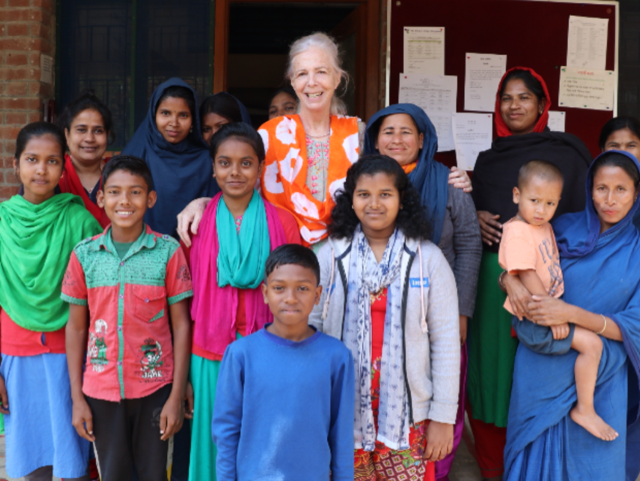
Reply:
x=285, y=395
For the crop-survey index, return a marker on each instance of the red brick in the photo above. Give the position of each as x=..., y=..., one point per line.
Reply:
x=3, y=29
x=18, y=3
x=10, y=177
x=44, y=4
x=3, y=3
x=11, y=58
x=35, y=116
x=17, y=29
x=16, y=118
x=7, y=160
x=9, y=132
x=7, y=192
x=16, y=14
x=39, y=30
x=34, y=59
x=39, y=15
x=20, y=74
x=20, y=104
x=16, y=88
x=20, y=44
x=10, y=148
x=35, y=89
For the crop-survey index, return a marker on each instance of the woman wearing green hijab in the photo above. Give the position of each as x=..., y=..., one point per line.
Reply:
x=38, y=231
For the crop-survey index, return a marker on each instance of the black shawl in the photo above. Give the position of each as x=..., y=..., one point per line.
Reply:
x=496, y=171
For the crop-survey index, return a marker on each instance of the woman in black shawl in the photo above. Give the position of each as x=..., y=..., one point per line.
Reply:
x=521, y=116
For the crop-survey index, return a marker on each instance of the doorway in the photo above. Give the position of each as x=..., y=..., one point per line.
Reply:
x=251, y=48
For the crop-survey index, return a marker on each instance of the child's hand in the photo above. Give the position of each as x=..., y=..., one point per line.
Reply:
x=560, y=331
x=82, y=419
x=4, y=408
x=171, y=417
x=439, y=441
x=188, y=397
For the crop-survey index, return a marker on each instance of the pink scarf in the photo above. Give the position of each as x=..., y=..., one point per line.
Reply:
x=214, y=309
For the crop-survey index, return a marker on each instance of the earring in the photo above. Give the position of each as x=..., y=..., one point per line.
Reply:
x=401, y=206
x=352, y=206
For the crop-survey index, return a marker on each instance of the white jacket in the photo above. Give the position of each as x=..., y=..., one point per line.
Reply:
x=432, y=358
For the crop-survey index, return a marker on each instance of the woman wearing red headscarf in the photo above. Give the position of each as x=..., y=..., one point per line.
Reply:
x=521, y=116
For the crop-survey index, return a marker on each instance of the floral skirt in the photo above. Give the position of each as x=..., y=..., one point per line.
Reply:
x=385, y=464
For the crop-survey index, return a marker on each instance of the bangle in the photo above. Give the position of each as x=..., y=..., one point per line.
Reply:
x=501, y=281
x=605, y=325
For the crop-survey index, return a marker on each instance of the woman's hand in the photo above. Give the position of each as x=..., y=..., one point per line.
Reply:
x=549, y=311
x=191, y=216
x=519, y=296
x=490, y=228
x=439, y=441
x=460, y=179
x=82, y=419
x=188, y=398
x=4, y=408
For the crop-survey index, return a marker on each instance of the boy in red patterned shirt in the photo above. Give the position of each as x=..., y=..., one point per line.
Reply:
x=128, y=290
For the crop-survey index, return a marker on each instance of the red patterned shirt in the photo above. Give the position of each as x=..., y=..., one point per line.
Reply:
x=129, y=352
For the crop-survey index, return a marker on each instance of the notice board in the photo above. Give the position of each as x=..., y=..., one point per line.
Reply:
x=531, y=33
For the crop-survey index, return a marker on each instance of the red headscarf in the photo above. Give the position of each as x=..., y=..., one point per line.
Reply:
x=501, y=126
x=70, y=182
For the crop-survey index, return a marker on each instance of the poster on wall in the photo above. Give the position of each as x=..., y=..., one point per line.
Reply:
x=436, y=95
x=556, y=121
x=424, y=50
x=472, y=134
x=587, y=43
x=586, y=89
x=482, y=76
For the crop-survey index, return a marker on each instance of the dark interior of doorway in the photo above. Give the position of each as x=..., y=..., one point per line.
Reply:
x=259, y=39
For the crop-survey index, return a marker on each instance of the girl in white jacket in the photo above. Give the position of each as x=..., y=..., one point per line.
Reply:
x=390, y=296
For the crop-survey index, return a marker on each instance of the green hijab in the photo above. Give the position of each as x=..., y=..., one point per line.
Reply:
x=242, y=257
x=36, y=242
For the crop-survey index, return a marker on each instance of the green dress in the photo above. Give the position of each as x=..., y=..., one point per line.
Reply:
x=492, y=350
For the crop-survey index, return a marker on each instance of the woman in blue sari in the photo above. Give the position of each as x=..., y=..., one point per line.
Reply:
x=599, y=248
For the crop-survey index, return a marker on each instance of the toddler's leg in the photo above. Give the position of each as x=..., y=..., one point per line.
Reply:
x=589, y=347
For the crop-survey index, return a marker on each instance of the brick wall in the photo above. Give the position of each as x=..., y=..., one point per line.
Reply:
x=27, y=29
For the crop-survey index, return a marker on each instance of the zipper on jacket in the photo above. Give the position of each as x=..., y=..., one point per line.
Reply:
x=343, y=277
x=405, y=296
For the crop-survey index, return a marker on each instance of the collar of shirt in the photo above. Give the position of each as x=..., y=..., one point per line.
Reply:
x=146, y=240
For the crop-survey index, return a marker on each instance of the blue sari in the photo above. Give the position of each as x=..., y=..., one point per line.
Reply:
x=602, y=276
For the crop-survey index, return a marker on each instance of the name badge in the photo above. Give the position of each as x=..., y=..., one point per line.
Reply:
x=415, y=282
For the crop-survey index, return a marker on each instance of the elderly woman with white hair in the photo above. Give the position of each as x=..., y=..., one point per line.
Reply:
x=308, y=153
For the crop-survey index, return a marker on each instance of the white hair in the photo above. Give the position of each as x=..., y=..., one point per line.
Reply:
x=328, y=45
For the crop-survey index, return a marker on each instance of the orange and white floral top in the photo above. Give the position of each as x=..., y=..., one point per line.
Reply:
x=284, y=179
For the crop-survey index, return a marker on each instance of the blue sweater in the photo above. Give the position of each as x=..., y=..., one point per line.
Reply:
x=284, y=410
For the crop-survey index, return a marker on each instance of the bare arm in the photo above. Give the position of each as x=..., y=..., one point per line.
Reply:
x=532, y=282
x=191, y=217
x=549, y=311
x=75, y=345
x=172, y=413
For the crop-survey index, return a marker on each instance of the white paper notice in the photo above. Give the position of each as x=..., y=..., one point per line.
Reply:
x=587, y=46
x=46, y=69
x=556, y=121
x=424, y=50
x=586, y=89
x=436, y=95
x=472, y=135
x=482, y=77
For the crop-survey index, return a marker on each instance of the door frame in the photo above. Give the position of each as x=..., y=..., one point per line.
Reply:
x=367, y=86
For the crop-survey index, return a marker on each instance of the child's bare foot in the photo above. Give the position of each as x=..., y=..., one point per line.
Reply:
x=594, y=424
